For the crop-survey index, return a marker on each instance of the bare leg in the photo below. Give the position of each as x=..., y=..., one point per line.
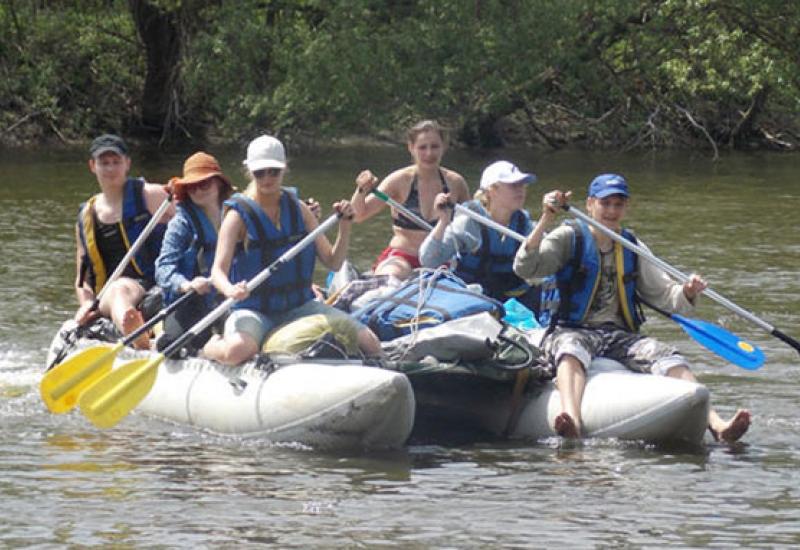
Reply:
x=232, y=349
x=131, y=321
x=368, y=343
x=119, y=303
x=570, y=381
x=394, y=266
x=722, y=430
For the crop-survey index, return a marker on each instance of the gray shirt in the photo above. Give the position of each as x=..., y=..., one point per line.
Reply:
x=462, y=234
x=654, y=286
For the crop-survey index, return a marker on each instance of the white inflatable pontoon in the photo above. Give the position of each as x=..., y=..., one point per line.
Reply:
x=323, y=405
x=505, y=401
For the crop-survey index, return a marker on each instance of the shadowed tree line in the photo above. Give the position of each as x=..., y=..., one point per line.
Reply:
x=621, y=74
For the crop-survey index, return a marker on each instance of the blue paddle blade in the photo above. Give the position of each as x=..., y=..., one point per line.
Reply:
x=723, y=343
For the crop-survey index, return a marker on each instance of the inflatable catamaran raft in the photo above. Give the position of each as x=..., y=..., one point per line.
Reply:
x=341, y=403
x=517, y=399
x=320, y=404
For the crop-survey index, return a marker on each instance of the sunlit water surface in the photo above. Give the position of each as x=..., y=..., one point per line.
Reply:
x=150, y=483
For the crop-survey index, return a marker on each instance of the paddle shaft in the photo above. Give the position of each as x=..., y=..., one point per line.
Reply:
x=490, y=223
x=718, y=343
x=405, y=211
x=137, y=244
x=402, y=209
x=158, y=317
x=84, y=373
x=131, y=337
x=218, y=311
x=682, y=277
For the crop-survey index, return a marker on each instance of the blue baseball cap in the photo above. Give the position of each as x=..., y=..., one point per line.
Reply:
x=608, y=184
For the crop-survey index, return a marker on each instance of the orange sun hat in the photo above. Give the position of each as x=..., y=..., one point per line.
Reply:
x=197, y=168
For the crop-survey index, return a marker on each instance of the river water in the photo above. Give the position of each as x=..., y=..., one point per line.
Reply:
x=148, y=483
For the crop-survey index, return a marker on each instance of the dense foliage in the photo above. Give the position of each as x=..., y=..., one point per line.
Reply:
x=614, y=73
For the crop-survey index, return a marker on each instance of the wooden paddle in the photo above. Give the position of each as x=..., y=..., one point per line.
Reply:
x=682, y=277
x=112, y=397
x=62, y=385
x=718, y=340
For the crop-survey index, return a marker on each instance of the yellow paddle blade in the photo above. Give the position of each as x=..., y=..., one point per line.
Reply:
x=62, y=385
x=112, y=397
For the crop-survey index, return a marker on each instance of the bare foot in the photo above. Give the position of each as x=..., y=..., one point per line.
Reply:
x=734, y=429
x=132, y=321
x=565, y=426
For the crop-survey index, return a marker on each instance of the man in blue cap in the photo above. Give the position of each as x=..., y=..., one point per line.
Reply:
x=590, y=301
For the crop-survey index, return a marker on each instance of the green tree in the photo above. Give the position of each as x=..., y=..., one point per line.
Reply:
x=612, y=73
x=68, y=71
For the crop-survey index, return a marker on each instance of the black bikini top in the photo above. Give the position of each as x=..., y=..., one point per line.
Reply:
x=412, y=203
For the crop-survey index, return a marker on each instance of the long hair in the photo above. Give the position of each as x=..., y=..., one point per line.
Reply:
x=250, y=190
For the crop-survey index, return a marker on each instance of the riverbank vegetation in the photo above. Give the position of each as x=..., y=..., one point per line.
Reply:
x=621, y=74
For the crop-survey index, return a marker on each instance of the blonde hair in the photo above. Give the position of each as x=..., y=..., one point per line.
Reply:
x=483, y=197
x=250, y=190
x=426, y=126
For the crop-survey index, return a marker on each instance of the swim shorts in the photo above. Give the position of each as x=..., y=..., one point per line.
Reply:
x=390, y=252
x=637, y=352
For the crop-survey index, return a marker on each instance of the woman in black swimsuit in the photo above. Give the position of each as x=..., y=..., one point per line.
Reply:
x=415, y=187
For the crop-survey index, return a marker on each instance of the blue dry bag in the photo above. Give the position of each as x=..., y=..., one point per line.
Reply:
x=427, y=300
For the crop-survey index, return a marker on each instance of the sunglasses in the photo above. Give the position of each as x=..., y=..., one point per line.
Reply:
x=200, y=185
x=273, y=172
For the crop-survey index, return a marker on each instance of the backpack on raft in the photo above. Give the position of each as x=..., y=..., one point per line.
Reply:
x=317, y=335
x=431, y=298
x=470, y=338
x=478, y=343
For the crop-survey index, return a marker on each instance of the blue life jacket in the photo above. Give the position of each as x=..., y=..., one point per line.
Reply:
x=135, y=217
x=492, y=265
x=427, y=300
x=198, y=258
x=290, y=286
x=567, y=295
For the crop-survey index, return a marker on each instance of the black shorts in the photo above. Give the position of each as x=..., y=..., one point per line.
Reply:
x=152, y=302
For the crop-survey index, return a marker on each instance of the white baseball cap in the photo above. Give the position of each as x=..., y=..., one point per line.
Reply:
x=503, y=171
x=265, y=152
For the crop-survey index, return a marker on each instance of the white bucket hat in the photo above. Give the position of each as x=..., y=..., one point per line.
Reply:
x=503, y=171
x=265, y=152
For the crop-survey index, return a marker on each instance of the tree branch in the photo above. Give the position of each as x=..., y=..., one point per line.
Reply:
x=700, y=127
